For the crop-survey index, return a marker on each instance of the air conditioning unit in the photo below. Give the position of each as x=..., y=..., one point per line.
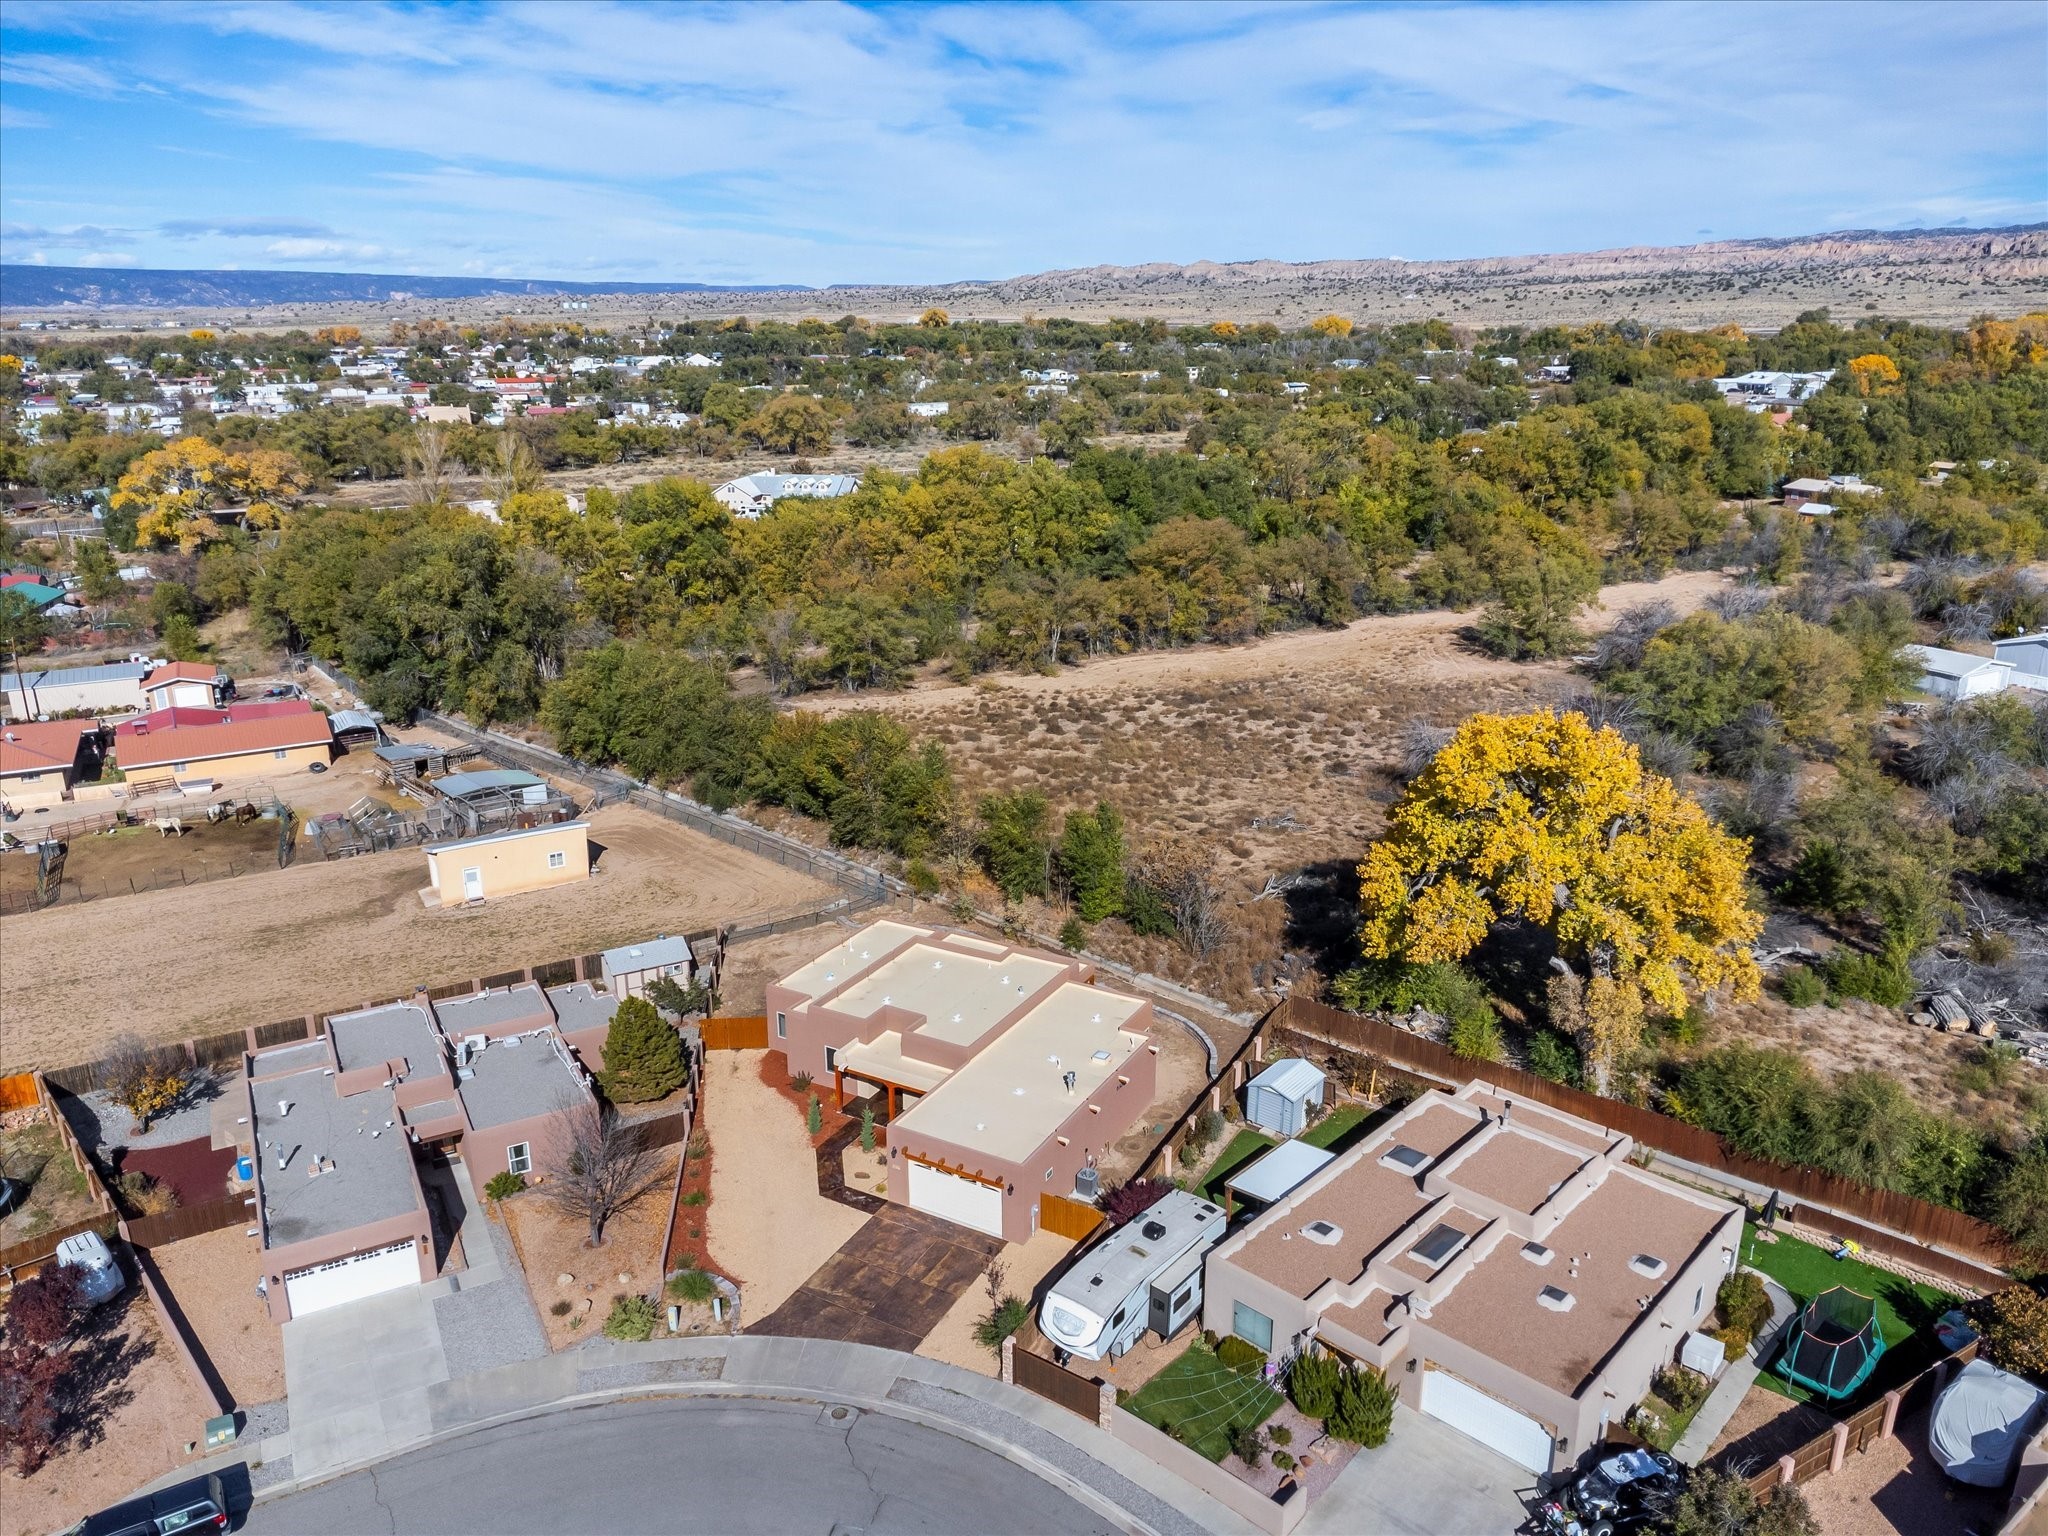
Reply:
x=1088, y=1185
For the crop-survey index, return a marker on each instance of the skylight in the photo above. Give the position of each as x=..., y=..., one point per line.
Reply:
x=1439, y=1244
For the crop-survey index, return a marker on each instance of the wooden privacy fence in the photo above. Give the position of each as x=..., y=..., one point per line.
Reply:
x=189, y=1221
x=730, y=1034
x=30, y=1253
x=1056, y=1384
x=1900, y=1215
x=18, y=1091
x=1067, y=1218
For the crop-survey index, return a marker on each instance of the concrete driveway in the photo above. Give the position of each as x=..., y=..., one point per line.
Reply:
x=1427, y=1480
x=358, y=1375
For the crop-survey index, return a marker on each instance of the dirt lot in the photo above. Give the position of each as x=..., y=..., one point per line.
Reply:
x=58, y=1193
x=1024, y=1265
x=124, y=860
x=325, y=936
x=551, y=1245
x=769, y=1227
x=212, y=1279
x=144, y=1408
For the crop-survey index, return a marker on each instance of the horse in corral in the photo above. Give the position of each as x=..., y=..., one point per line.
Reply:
x=247, y=812
x=169, y=825
x=219, y=813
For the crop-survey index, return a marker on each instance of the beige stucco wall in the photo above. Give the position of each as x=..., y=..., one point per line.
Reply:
x=513, y=864
x=241, y=765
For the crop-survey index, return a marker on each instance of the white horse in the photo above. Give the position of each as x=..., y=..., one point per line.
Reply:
x=167, y=825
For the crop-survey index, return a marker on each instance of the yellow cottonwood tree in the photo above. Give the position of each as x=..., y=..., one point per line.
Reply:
x=1542, y=817
x=175, y=489
x=1331, y=325
x=1874, y=373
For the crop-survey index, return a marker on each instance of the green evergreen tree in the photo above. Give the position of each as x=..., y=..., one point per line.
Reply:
x=1092, y=862
x=643, y=1056
x=1364, y=1409
x=1016, y=845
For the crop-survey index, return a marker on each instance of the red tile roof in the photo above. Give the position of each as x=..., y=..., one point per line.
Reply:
x=244, y=728
x=182, y=672
x=184, y=716
x=34, y=746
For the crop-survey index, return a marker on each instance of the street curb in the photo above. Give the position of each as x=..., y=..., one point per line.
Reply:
x=1043, y=1470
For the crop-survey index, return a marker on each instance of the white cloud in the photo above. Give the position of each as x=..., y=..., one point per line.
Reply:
x=303, y=249
x=20, y=117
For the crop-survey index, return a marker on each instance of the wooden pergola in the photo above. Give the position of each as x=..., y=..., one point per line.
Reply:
x=891, y=1090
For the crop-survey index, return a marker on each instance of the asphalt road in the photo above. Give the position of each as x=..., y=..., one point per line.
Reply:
x=720, y=1466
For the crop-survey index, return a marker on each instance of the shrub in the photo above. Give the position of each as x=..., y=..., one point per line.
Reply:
x=143, y=1194
x=560, y=1309
x=1312, y=1384
x=1476, y=1037
x=1209, y=1340
x=814, y=1117
x=643, y=1055
x=1743, y=1303
x=1881, y=979
x=1554, y=1057
x=1133, y=1199
x=1204, y=1130
x=867, y=1127
x=692, y=1285
x=1280, y=1434
x=503, y=1186
x=1248, y=1444
x=1734, y=1341
x=2014, y=1327
x=1073, y=935
x=1282, y=1460
x=1683, y=1389
x=801, y=1082
x=1364, y=1409
x=632, y=1319
x=1240, y=1355
x=694, y=1197
x=1800, y=987
x=919, y=877
x=1000, y=1321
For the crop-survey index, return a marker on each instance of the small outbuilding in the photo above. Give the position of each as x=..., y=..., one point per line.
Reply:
x=1281, y=1098
x=506, y=863
x=1957, y=674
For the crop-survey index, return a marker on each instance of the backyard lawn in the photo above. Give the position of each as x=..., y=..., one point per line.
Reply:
x=1336, y=1125
x=1906, y=1312
x=1201, y=1402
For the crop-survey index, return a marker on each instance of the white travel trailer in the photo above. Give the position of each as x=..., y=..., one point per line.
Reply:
x=1147, y=1273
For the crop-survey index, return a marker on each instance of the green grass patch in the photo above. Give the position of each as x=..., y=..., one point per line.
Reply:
x=1336, y=1125
x=1906, y=1312
x=1201, y=1402
x=1239, y=1150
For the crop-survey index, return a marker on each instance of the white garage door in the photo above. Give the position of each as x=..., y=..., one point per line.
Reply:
x=979, y=1206
x=1486, y=1419
x=352, y=1278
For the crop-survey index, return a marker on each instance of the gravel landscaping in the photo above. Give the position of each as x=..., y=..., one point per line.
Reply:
x=212, y=1278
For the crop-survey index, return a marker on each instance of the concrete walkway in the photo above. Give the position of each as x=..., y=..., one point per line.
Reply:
x=1055, y=1444
x=1736, y=1380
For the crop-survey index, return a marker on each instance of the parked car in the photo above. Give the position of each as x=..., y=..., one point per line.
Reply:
x=196, y=1505
x=100, y=1277
x=1629, y=1491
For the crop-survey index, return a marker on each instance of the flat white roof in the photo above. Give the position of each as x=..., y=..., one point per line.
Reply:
x=883, y=1057
x=1011, y=1098
x=960, y=997
x=1280, y=1170
x=858, y=952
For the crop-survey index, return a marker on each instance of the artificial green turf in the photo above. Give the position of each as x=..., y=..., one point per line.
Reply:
x=1906, y=1312
x=1203, y=1401
x=1329, y=1130
x=1239, y=1150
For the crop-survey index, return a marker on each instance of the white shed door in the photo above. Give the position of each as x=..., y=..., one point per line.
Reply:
x=979, y=1206
x=352, y=1278
x=1486, y=1419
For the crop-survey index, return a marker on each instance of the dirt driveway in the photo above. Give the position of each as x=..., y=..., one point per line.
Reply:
x=322, y=936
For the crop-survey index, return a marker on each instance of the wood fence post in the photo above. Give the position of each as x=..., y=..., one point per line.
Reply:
x=1105, y=1405
x=1840, y=1450
x=1892, y=1399
x=1009, y=1370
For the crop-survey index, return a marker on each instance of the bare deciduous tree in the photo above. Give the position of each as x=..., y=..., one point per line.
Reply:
x=1420, y=743
x=426, y=465
x=1622, y=646
x=594, y=1164
x=1184, y=875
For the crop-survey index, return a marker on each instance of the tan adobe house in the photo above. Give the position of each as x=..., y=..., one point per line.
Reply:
x=1504, y=1264
x=1019, y=1070
x=507, y=863
x=333, y=1125
x=196, y=684
x=41, y=760
x=243, y=741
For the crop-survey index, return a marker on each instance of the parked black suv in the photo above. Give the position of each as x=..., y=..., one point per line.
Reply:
x=195, y=1505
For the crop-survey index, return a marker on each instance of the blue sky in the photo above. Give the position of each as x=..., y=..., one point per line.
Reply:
x=830, y=143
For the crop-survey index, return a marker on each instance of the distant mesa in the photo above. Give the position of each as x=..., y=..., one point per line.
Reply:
x=38, y=287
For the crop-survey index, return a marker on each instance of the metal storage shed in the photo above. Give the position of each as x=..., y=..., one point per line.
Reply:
x=1279, y=1099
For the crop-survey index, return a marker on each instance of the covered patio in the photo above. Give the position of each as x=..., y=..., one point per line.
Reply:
x=880, y=1062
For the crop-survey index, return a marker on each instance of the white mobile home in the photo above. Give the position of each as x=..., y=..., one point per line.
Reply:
x=1147, y=1273
x=1957, y=674
x=2028, y=657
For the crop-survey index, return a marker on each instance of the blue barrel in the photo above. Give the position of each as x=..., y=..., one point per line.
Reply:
x=245, y=1170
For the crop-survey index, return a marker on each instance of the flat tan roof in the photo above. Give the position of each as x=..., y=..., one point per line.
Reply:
x=1547, y=1122
x=1494, y=1308
x=959, y=997
x=859, y=951
x=883, y=1057
x=1010, y=1099
x=1367, y=1206
x=1519, y=1171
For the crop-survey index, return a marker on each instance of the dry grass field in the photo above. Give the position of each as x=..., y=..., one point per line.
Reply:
x=322, y=936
